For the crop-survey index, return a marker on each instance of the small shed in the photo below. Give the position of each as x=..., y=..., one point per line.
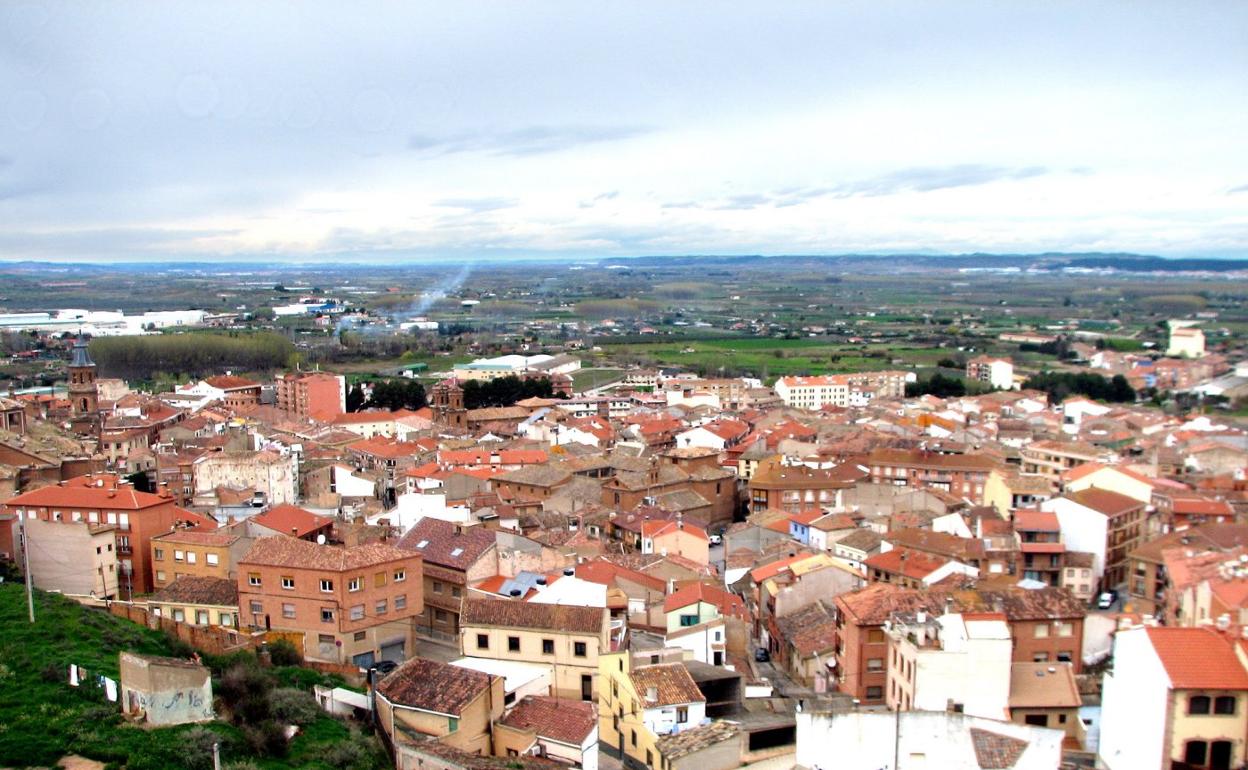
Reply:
x=165, y=691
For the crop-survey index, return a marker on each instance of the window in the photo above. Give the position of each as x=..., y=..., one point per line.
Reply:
x=257, y=608
x=1196, y=752
x=253, y=578
x=159, y=554
x=327, y=615
x=688, y=620
x=327, y=586
x=1038, y=720
x=452, y=724
x=359, y=636
x=179, y=615
x=1065, y=656
x=682, y=714
x=1198, y=704
x=190, y=557
x=357, y=612
x=352, y=585
x=578, y=649
x=455, y=592
x=179, y=556
x=400, y=602
x=288, y=583
x=875, y=693
x=1040, y=657
x=227, y=619
x=201, y=617
x=212, y=559
x=399, y=576
x=160, y=574
x=875, y=636
x=633, y=739
x=437, y=587
x=379, y=580
x=1224, y=704
x=548, y=646
x=381, y=607
x=875, y=664
x=513, y=644
x=288, y=610
x=1042, y=631
x=649, y=758
x=483, y=642
x=441, y=616
x=325, y=639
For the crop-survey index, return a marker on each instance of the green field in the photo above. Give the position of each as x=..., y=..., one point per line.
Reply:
x=43, y=719
x=770, y=358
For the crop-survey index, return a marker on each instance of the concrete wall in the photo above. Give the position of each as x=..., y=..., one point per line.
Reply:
x=167, y=694
x=67, y=557
x=1133, y=706
x=859, y=740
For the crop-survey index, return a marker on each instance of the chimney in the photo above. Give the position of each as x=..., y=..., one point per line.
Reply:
x=294, y=532
x=652, y=694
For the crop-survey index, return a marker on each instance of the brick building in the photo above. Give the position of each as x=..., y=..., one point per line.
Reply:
x=353, y=604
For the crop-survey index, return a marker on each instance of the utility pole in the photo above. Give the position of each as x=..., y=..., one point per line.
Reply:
x=30, y=594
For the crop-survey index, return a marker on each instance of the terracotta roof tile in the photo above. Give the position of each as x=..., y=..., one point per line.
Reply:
x=447, y=544
x=562, y=720
x=1198, y=659
x=287, y=551
x=994, y=751
x=217, y=592
x=670, y=684
x=505, y=613
x=433, y=686
x=291, y=520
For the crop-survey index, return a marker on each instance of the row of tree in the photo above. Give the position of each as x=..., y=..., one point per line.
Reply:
x=1061, y=385
x=194, y=355
x=504, y=391
x=388, y=394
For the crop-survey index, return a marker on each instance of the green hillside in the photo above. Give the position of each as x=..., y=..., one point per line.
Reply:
x=42, y=718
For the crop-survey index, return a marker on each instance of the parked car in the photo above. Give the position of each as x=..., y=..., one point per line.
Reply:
x=761, y=655
x=1106, y=600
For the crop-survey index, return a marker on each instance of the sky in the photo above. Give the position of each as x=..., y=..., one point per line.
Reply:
x=365, y=131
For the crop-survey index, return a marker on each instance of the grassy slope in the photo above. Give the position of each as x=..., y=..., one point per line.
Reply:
x=42, y=719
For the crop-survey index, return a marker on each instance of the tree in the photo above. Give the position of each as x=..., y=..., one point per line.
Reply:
x=355, y=398
x=397, y=394
x=937, y=385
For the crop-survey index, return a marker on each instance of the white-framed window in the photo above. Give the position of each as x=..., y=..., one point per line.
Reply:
x=327, y=586
x=212, y=559
x=352, y=585
x=253, y=578
x=399, y=576
x=179, y=556
x=357, y=612
x=288, y=583
x=190, y=557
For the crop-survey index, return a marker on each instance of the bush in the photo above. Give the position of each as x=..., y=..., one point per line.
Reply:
x=266, y=738
x=197, y=744
x=244, y=690
x=284, y=653
x=359, y=752
x=241, y=764
x=293, y=707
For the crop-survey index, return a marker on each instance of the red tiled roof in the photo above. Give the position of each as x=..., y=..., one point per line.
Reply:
x=433, y=686
x=447, y=544
x=670, y=682
x=231, y=382
x=907, y=562
x=83, y=492
x=380, y=446
x=286, y=551
x=606, y=573
x=559, y=719
x=1105, y=501
x=1035, y=521
x=728, y=603
x=291, y=520
x=1198, y=659
x=994, y=751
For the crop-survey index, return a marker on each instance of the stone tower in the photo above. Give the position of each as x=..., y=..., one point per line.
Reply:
x=84, y=394
x=447, y=405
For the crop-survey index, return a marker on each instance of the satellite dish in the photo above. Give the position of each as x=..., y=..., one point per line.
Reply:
x=320, y=539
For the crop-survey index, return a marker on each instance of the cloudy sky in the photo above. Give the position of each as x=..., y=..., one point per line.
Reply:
x=322, y=131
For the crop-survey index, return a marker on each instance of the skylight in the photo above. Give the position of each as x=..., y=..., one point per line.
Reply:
x=422, y=544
